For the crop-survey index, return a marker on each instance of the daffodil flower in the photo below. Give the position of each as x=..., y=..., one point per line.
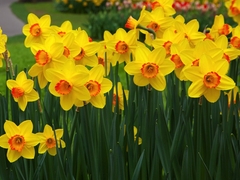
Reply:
x=37, y=29
x=48, y=142
x=19, y=140
x=97, y=85
x=150, y=67
x=68, y=84
x=209, y=78
x=22, y=90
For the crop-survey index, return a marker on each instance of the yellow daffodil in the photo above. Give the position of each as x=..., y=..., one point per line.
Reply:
x=65, y=28
x=123, y=45
x=37, y=29
x=219, y=27
x=104, y=54
x=68, y=84
x=235, y=39
x=97, y=86
x=190, y=31
x=209, y=78
x=169, y=37
x=230, y=53
x=19, y=140
x=48, y=142
x=71, y=48
x=118, y=96
x=22, y=90
x=233, y=7
x=176, y=57
x=47, y=55
x=166, y=5
x=150, y=67
x=157, y=22
x=88, y=49
x=133, y=23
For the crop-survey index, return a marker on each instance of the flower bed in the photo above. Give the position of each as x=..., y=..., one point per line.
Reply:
x=158, y=101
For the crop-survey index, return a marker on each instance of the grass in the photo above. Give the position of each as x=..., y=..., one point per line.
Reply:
x=22, y=56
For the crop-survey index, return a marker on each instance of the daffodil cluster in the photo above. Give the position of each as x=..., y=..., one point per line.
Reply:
x=202, y=58
x=20, y=141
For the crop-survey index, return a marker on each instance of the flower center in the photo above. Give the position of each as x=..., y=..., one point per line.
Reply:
x=235, y=42
x=131, y=22
x=35, y=30
x=121, y=47
x=167, y=46
x=93, y=87
x=101, y=61
x=154, y=26
x=155, y=4
x=195, y=62
x=211, y=80
x=63, y=87
x=235, y=11
x=42, y=57
x=80, y=55
x=16, y=142
x=225, y=30
x=225, y=56
x=51, y=143
x=149, y=70
x=66, y=51
x=61, y=33
x=177, y=60
x=17, y=92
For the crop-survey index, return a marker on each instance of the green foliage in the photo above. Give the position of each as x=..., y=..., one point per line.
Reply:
x=109, y=20
x=80, y=6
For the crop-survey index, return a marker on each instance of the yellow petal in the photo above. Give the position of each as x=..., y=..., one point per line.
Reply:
x=28, y=152
x=52, y=151
x=226, y=83
x=42, y=148
x=32, y=140
x=26, y=127
x=212, y=95
x=196, y=89
x=158, y=83
x=32, y=96
x=11, y=128
x=22, y=103
x=48, y=131
x=133, y=68
x=106, y=85
x=59, y=133
x=4, y=141
x=13, y=155
x=98, y=101
x=140, y=80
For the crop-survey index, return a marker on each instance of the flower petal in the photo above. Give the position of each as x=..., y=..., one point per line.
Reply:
x=13, y=155
x=28, y=152
x=4, y=141
x=158, y=83
x=212, y=95
x=140, y=80
x=196, y=89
